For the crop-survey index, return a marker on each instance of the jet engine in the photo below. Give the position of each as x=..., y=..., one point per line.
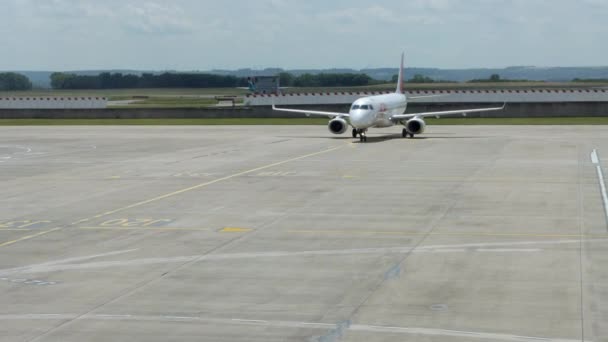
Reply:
x=415, y=126
x=337, y=126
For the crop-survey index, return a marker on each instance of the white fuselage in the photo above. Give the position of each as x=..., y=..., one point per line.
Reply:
x=376, y=111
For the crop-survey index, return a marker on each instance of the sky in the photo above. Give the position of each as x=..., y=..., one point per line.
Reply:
x=187, y=35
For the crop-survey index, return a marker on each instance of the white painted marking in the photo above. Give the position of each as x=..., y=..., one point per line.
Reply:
x=27, y=149
x=485, y=336
x=58, y=266
x=9, y=156
x=439, y=250
x=319, y=324
x=453, y=333
x=80, y=221
x=18, y=317
x=249, y=320
x=594, y=158
x=600, y=175
x=113, y=316
x=29, y=281
x=509, y=250
x=517, y=243
x=179, y=317
x=63, y=261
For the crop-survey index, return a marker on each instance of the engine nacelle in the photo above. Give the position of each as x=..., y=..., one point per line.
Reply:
x=415, y=126
x=337, y=126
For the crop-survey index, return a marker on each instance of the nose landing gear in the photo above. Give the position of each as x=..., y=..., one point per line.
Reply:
x=362, y=135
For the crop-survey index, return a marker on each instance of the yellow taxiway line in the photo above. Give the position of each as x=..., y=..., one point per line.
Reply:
x=174, y=193
x=27, y=237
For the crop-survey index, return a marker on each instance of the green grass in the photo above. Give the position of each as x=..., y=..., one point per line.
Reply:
x=170, y=102
x=298, y=121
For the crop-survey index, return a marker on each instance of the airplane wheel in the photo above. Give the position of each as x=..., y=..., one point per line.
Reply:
x=411, y=135
x=365, y=138
x=404, y=133
x=354, y=132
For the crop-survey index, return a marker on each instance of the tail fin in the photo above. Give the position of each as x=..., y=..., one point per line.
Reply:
x=399, y=89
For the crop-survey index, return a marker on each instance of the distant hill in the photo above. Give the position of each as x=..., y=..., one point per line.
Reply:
x=41, y=79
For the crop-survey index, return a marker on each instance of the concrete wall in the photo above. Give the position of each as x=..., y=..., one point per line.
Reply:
x=438, y=96
x=563, y=109
x=52, y=102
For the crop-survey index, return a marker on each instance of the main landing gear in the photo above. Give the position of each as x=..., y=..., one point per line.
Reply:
x=405, y=133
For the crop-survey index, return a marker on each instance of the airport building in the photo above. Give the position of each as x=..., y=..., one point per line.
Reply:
x=264, y=84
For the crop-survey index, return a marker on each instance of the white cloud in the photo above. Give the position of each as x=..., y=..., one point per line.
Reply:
x=134, y=15
x=156, y=18
x=203, y=34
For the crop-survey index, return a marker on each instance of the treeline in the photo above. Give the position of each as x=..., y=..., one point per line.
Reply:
x=191, y=80
x=591, y=80
x=166, y=80
x=418, y=79
x=324, y=80
x=14, y=81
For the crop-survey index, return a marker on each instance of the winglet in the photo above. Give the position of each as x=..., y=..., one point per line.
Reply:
x=399, y=89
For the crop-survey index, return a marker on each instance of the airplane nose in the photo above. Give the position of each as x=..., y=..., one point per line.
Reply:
x=358, y=119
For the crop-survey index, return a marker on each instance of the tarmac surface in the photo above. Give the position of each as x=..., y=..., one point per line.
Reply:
x=285, y=233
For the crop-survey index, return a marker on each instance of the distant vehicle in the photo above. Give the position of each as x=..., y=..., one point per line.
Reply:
x=382, y=111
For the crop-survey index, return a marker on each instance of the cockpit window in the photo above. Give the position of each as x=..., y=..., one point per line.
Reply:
x=355, y=107
x=364, y=107
x=370, y=107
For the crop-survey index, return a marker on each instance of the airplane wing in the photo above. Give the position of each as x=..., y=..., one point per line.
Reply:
x=310, y=112
x=447, y=112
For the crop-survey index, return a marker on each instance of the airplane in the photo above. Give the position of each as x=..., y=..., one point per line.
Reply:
x=382, y=111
